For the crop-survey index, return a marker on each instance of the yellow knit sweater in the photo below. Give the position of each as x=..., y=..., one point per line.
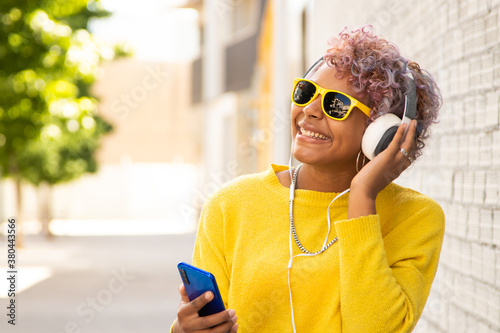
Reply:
x=376, y=278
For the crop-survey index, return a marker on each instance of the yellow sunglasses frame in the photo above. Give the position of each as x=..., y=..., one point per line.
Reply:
x=320, y=90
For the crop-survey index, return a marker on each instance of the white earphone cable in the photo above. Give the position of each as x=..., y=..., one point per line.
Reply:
x=290, y=262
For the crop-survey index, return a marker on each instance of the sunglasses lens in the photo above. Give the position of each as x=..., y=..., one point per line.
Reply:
x=336, y=105
x=304, y=92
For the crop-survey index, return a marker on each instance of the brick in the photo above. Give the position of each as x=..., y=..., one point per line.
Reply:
x=472, y=323
x=452, y=151
x=494, y=317
x=477, y=261
x=497, y=263
x=458, y=187
x=486, y=226
x=458, y=44
x=473, y=224
x=496, y=227
x=482, y=8
x=482, y=327
x=454, y=245
x=460, y=284
x=489, y=261
x=485, y=149
x=494, y=4
x=474, y=149
x=464, y=13
x=463, y=150
x=481, y=301
x=496, y=68
x=455, y=78
x=473, y=8
x=496, y=148
x=465, y=257
x=479, y=39
x=494, y=306
x=487, y=62
x=491, y=34
x=468, y=29
x=445, y=253
x=458, y=320
x=468, y=187
x=492, y=187
x=480, y=112
x=464, y=77
x=479, y=184
x=462, y=218
x=475, y=73
x=492, y=108
x=451, y=216
x=453, y=8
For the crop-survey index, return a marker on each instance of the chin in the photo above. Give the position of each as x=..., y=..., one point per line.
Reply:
x=308, y=157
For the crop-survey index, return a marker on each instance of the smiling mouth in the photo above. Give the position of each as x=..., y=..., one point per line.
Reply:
x=312, y=134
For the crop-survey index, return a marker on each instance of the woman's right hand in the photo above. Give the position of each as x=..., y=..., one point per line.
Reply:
x=188, y=319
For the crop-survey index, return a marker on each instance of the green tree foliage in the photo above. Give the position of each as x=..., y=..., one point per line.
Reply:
x=49, y=126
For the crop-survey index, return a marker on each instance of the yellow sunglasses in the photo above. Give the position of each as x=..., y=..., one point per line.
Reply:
x=335, y=104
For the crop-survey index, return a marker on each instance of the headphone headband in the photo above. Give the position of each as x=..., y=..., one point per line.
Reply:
x=318, y=63
x=410, y=110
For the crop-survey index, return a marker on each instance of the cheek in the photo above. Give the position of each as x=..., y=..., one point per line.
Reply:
x=348, y=134
x=295, y=111
x=357, y=136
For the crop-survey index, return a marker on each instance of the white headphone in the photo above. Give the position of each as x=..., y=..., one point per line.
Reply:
x=379, y=134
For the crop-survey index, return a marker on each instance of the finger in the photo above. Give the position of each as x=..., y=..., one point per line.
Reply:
x=184, y=295
x=224, y=321
x=395, y=144
x=201, y=300
x=410, y=143
x=410, y=137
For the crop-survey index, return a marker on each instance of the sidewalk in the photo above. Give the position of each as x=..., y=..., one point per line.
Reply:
x=98, y=284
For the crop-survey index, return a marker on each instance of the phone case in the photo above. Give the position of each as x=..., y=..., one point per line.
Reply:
x=197, y=281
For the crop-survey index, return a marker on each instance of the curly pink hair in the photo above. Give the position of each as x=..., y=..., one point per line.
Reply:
x=377, y=70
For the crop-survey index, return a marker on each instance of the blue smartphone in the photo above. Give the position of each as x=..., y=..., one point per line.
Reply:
x=197, y=281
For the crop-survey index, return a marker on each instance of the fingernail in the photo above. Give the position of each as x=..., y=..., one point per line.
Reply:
x=234, y=319
x=235, y=327
x=208, y=295
x=231, y=313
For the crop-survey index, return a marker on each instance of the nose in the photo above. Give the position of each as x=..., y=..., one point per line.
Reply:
x=314, y=109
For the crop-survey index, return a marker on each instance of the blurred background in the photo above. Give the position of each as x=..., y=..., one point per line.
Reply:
x=119, y=118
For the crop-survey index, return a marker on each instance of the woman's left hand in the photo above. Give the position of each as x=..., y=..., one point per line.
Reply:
x=381, y=171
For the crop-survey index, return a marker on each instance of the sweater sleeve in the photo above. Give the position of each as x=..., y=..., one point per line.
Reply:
x=209, y=253
x=385, y=280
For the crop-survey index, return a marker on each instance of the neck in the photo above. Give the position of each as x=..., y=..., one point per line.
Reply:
x=324, y=179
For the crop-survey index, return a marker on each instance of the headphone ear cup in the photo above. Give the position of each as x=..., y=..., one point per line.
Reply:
x=379, y=134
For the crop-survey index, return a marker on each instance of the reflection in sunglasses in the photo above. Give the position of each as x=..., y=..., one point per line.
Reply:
x=338, y=107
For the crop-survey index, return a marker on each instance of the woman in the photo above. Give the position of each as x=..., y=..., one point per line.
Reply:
x=263, y=235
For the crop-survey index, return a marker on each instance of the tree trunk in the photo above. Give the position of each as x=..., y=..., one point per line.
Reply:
x=19, y=213
x=45, y=208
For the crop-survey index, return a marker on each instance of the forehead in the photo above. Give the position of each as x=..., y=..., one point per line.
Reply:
x=327, y=77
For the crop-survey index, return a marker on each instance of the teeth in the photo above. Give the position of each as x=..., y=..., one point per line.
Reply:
x=312, y=134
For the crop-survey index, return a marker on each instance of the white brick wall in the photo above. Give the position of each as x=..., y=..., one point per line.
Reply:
x=459, y=43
